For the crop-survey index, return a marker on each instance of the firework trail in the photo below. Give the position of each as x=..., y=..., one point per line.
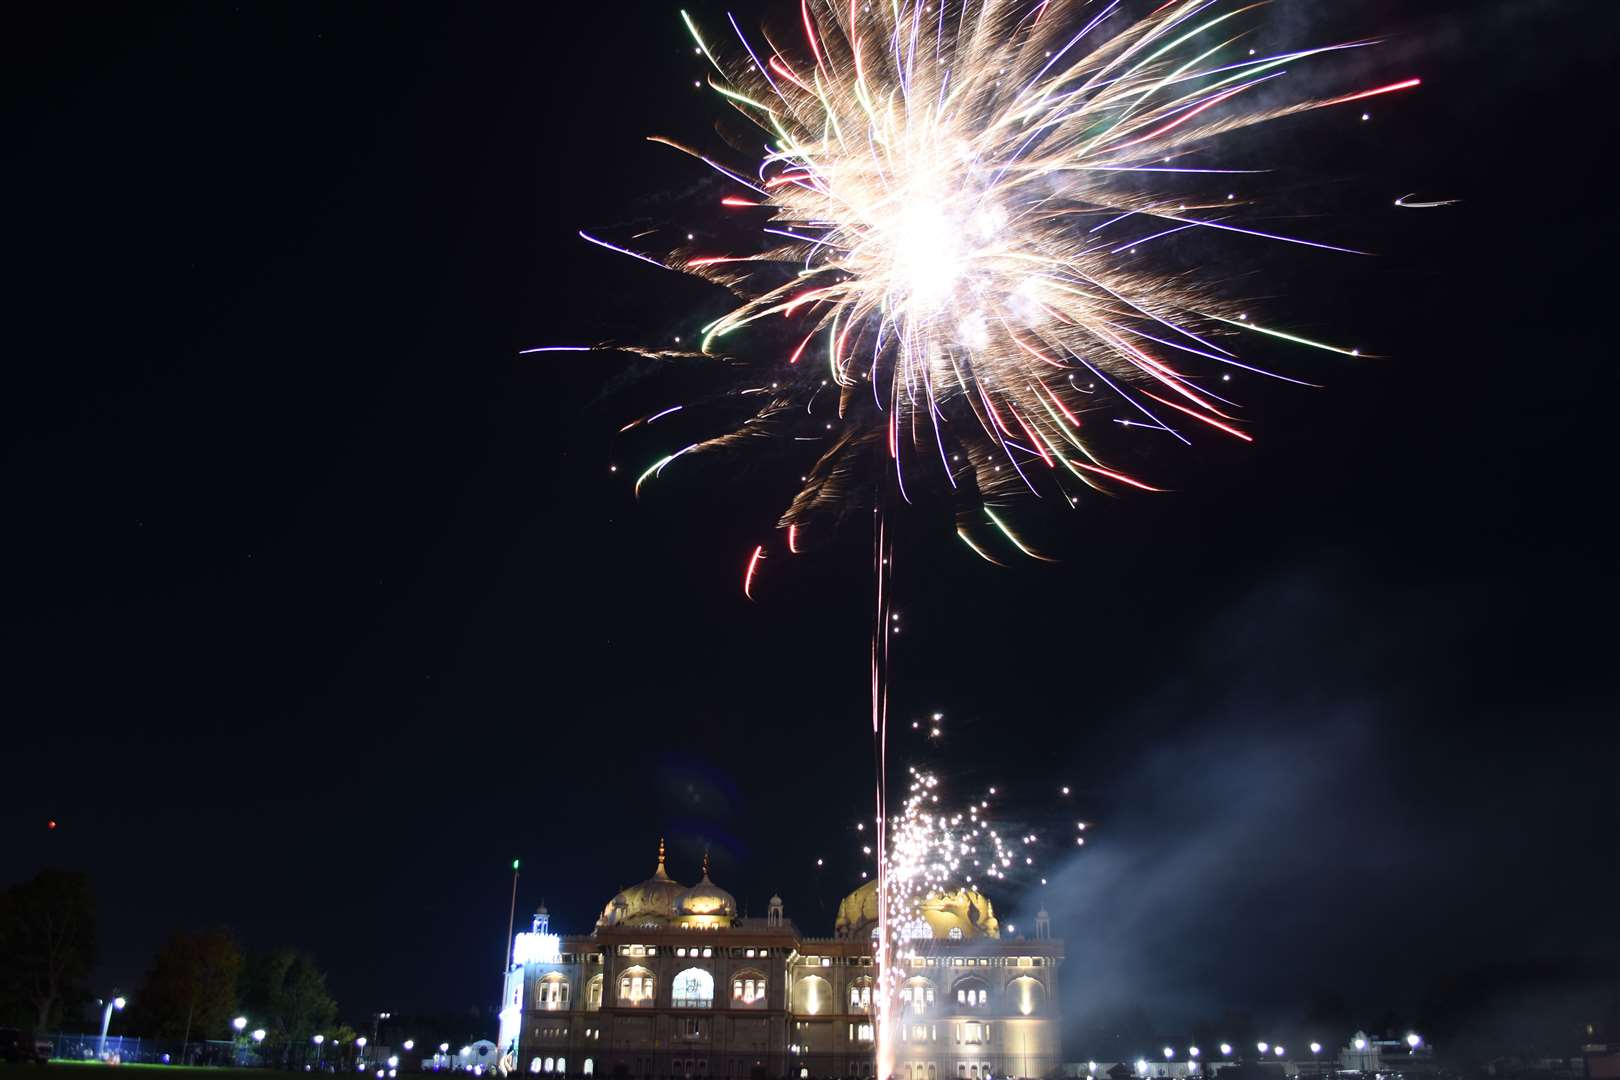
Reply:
x=946, y=213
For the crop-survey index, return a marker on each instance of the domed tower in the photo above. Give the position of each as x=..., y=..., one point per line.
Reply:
x=651, y=903
x=705, y=904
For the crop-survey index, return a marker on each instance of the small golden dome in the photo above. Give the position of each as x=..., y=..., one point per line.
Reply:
x=965, y=910
x=706, y=898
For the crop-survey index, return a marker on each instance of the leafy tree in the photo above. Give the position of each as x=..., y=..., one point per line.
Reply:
x=47, y=943
x=289, y=991
x=191, y=989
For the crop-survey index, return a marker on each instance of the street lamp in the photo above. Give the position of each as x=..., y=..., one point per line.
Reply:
x=444, y=1048
x=1168, y=1053
x=239, y=1023
x=1359, y=1043
x=259, y=1034
x=1413, y=1040
x=1226, y=1049
x=319, y=1039
x=1279, y=1050
x=410, y=1044
x=111, y=1003
x=1262, y=1046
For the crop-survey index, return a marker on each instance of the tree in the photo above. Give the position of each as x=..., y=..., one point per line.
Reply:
x=191, y=988
x=288, y=990
x=47, y=943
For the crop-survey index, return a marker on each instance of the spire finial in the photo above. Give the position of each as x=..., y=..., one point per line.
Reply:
x=660, y=853
x=705, y=860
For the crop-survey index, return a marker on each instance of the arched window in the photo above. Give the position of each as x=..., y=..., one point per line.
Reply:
x=562, y=1065
x=748, y=990
x=551, y=1064
x=917, y=994
x=637, y=987
x=551, y=992
x=593, y=993
x=692, y=989
x=813, y=995
x=534, y=1066
x=860, y=995
x=1027, y=995
x=590, y=1066
x=932, y=1074
x=971, y=993
x=955, y=934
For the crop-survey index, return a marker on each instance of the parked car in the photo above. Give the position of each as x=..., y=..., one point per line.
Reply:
x=19, y=1047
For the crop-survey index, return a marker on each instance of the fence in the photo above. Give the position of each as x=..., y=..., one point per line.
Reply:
x=69, y=1047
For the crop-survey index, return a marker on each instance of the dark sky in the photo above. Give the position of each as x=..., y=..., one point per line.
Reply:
x=320, y=604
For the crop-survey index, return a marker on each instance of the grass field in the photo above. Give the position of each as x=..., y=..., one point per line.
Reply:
x=56, y=1069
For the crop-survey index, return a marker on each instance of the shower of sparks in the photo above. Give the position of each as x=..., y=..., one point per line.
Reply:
x=953, y=209
x=934, y=850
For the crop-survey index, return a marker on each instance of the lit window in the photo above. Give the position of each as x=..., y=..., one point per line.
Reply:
x=707, y=951
x=562, y=1065
x=955, y=934
x=590, y=1066
x=551, y=1065
x=534, y=1066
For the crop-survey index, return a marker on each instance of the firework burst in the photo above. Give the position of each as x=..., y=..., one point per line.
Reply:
x=953, y=207
x=946, y=218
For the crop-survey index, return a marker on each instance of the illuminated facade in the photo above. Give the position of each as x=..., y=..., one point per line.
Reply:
x=671, y=982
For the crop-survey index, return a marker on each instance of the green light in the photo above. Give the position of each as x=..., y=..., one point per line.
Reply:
x=514, y=864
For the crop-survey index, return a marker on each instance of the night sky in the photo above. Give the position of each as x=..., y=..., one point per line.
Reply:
x=321, y=604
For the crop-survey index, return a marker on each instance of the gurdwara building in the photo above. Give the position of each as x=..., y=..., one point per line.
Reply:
x=673, y=983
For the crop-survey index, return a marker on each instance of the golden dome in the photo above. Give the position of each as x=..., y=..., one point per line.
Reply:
x=706, y=903
x=652, y=901
x=966, y=910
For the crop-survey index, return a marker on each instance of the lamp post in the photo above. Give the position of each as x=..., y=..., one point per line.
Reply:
x=361, y=1043
x=239, y=1023
x=114, y=1002
x=319, y=1039
x=1413, y=1041
x=376, y=1027
x=1316, y=1065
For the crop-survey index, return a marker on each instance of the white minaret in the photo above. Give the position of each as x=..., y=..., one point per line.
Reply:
x=1043, y=925
x=542, y=919
x=773, y=916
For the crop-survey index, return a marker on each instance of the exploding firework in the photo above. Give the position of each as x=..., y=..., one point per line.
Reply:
x=953, y=214
x=946, y=246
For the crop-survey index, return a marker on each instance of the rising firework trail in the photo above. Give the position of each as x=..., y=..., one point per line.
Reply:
x=947, y=226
